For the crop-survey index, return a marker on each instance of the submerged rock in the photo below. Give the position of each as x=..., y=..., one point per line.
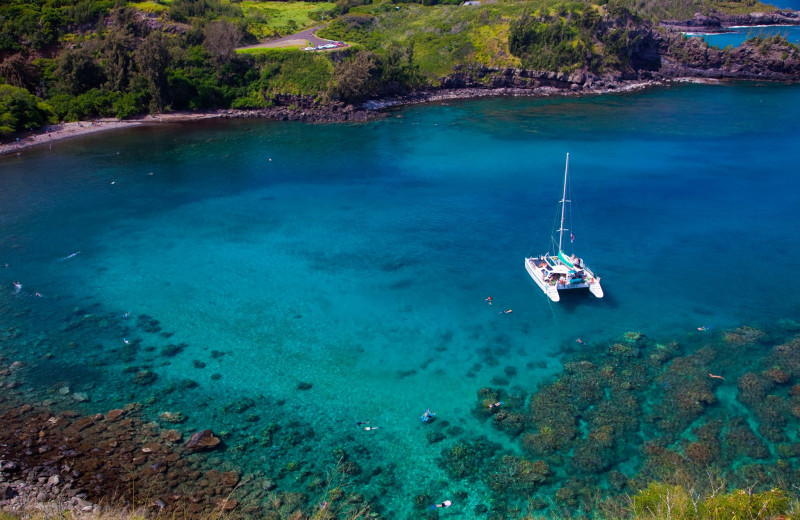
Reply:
x=113, y=415
x=202, y=441
x=172, y=417
x=171, y=435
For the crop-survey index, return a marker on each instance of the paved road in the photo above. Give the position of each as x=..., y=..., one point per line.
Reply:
x=293, y=39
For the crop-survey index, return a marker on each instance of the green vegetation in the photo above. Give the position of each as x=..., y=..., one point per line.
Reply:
x=272, y=19
x=443, y=36
x=660, y=500
x=118, y=58
x=685, y=9
x=20, y=110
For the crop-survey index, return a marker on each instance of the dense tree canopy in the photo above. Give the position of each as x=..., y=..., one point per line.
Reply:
x=20, y=110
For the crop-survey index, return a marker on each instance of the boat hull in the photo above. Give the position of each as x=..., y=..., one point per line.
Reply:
x=533, y=267
x=550, y=290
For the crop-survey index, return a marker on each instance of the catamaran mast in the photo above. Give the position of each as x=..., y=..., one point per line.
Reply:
x=563, y=201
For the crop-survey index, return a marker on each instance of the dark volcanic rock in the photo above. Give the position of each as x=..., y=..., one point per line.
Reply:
x=7, y=491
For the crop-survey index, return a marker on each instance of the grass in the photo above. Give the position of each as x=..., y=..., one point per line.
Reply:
x=291, y=44
x=153, y=6
x=270, y=19
x=443, y=36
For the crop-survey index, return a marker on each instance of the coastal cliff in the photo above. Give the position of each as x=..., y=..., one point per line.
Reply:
x=658, y=55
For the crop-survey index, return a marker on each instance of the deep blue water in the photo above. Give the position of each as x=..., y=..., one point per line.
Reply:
x=787, y=4
x=738, y=35
x=358, y=257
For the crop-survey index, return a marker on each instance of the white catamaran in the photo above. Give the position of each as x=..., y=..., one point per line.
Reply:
x=562, y=272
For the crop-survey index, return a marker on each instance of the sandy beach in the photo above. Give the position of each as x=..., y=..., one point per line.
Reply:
x=49, y=134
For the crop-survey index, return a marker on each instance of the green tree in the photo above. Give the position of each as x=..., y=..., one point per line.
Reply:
x=153, y=58
x=18, y=71
x=19, y=110
x=116, y=60
x=77, y=71
x=356, y=78
x=220, y=39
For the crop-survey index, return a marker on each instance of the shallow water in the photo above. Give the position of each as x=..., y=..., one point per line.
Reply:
x=356, y=259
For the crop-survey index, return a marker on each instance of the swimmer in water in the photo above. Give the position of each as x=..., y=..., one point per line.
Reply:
x=72, y=255
x=17, y=287
x=368, y=428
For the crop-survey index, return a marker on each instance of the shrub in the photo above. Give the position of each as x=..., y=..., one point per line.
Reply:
x=741, y=504
x=659, y=500
x=19, y=110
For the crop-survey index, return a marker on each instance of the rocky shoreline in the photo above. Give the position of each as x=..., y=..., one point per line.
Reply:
x=659, y=57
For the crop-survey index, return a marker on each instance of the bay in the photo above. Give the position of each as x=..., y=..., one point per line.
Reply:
x=314, y=276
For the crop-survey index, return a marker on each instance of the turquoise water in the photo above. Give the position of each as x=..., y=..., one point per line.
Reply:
x=738, y=35
x=356, y=259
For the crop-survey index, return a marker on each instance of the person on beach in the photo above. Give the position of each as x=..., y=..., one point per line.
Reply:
x=446, y=503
